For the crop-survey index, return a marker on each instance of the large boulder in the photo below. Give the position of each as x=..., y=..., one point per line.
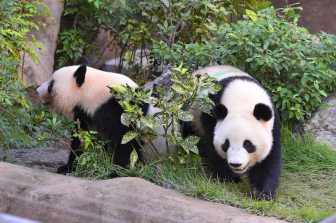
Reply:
x=48, y=197
x=39, y=72
x=322, y=124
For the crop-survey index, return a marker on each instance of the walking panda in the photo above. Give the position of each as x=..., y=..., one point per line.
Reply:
x=243, y=133
x=81, y=93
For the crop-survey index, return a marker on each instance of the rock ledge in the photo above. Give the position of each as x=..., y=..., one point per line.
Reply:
x=48, y=197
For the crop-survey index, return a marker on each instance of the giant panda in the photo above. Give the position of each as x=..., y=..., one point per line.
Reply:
x=242, y=136
x=81, y=93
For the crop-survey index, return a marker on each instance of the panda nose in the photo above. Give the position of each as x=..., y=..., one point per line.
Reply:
x=235, y=164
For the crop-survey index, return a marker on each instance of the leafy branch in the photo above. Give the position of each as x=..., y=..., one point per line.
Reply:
x=173, y=106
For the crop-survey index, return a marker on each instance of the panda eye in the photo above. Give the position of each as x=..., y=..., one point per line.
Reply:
x=248, y=145
x=226, y=145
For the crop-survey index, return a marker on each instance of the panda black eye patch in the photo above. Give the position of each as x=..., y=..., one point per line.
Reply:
x=248, y=146
x=50, y=87
x=219, y=112
x=226, y=145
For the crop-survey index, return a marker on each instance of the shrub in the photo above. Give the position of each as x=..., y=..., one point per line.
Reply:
x=136, y=24
x=295, y=66
x=20, y=124
x=174, y=103
x=95, y=162
x=16, y=22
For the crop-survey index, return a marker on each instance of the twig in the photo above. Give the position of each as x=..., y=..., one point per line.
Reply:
x=8, y=112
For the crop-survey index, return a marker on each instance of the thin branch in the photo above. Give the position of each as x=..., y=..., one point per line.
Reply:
x=8, y=112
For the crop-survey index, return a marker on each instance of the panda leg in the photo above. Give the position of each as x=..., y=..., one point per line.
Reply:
x=122, y=153
x=75, y=146
x=264, y=178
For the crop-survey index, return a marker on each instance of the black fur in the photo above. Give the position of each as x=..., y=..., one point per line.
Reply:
x=262, y=112
x=51, y=85
x=226, y=145
x=106, y=121
x=75, y=150
x=219, y=112
x=79, y=75
x=264, y=176
x=249, y=146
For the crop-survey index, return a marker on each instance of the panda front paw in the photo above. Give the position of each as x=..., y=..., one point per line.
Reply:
x=263, y=195
x=64, y=169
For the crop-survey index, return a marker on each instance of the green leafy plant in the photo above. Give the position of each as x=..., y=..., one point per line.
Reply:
x=16, y=22
x=95, y=162
x=135, y=25
x=71, y=47
x=20, y=124
x=295, y=66
x=174, y=105
x=36, y=127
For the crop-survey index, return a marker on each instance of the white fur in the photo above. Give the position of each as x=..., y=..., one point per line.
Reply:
x=221, y=71
x=66, y=94
x=240, y=98
x=218, y=72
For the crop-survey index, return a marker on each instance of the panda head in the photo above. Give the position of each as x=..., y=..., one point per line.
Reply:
x=243, y=140
x=82, y=86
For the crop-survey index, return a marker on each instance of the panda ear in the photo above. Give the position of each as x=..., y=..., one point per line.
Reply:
x=219, y=112
x=79, y=75
x=262, y=112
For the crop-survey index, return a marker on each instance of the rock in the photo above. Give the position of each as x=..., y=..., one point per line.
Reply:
x=37, y=73
x=105, y=48
x=163, y=81
x=49, y=158
x=322, y=125
x=48, y=197
x=330, y=219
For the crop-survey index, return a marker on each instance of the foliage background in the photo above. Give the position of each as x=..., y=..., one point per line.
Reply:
x=294, y=65
x=21, y=125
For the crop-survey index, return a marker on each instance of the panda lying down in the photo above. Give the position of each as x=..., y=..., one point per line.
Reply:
x=242, y=135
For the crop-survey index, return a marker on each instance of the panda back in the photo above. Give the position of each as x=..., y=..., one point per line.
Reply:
x=221, y=71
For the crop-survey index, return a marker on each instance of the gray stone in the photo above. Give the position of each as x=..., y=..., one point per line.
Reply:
x=163, y=81
x=322, y=125
x=37, y=73
x=330, y=219
x=48, y=158
x=48, y=197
